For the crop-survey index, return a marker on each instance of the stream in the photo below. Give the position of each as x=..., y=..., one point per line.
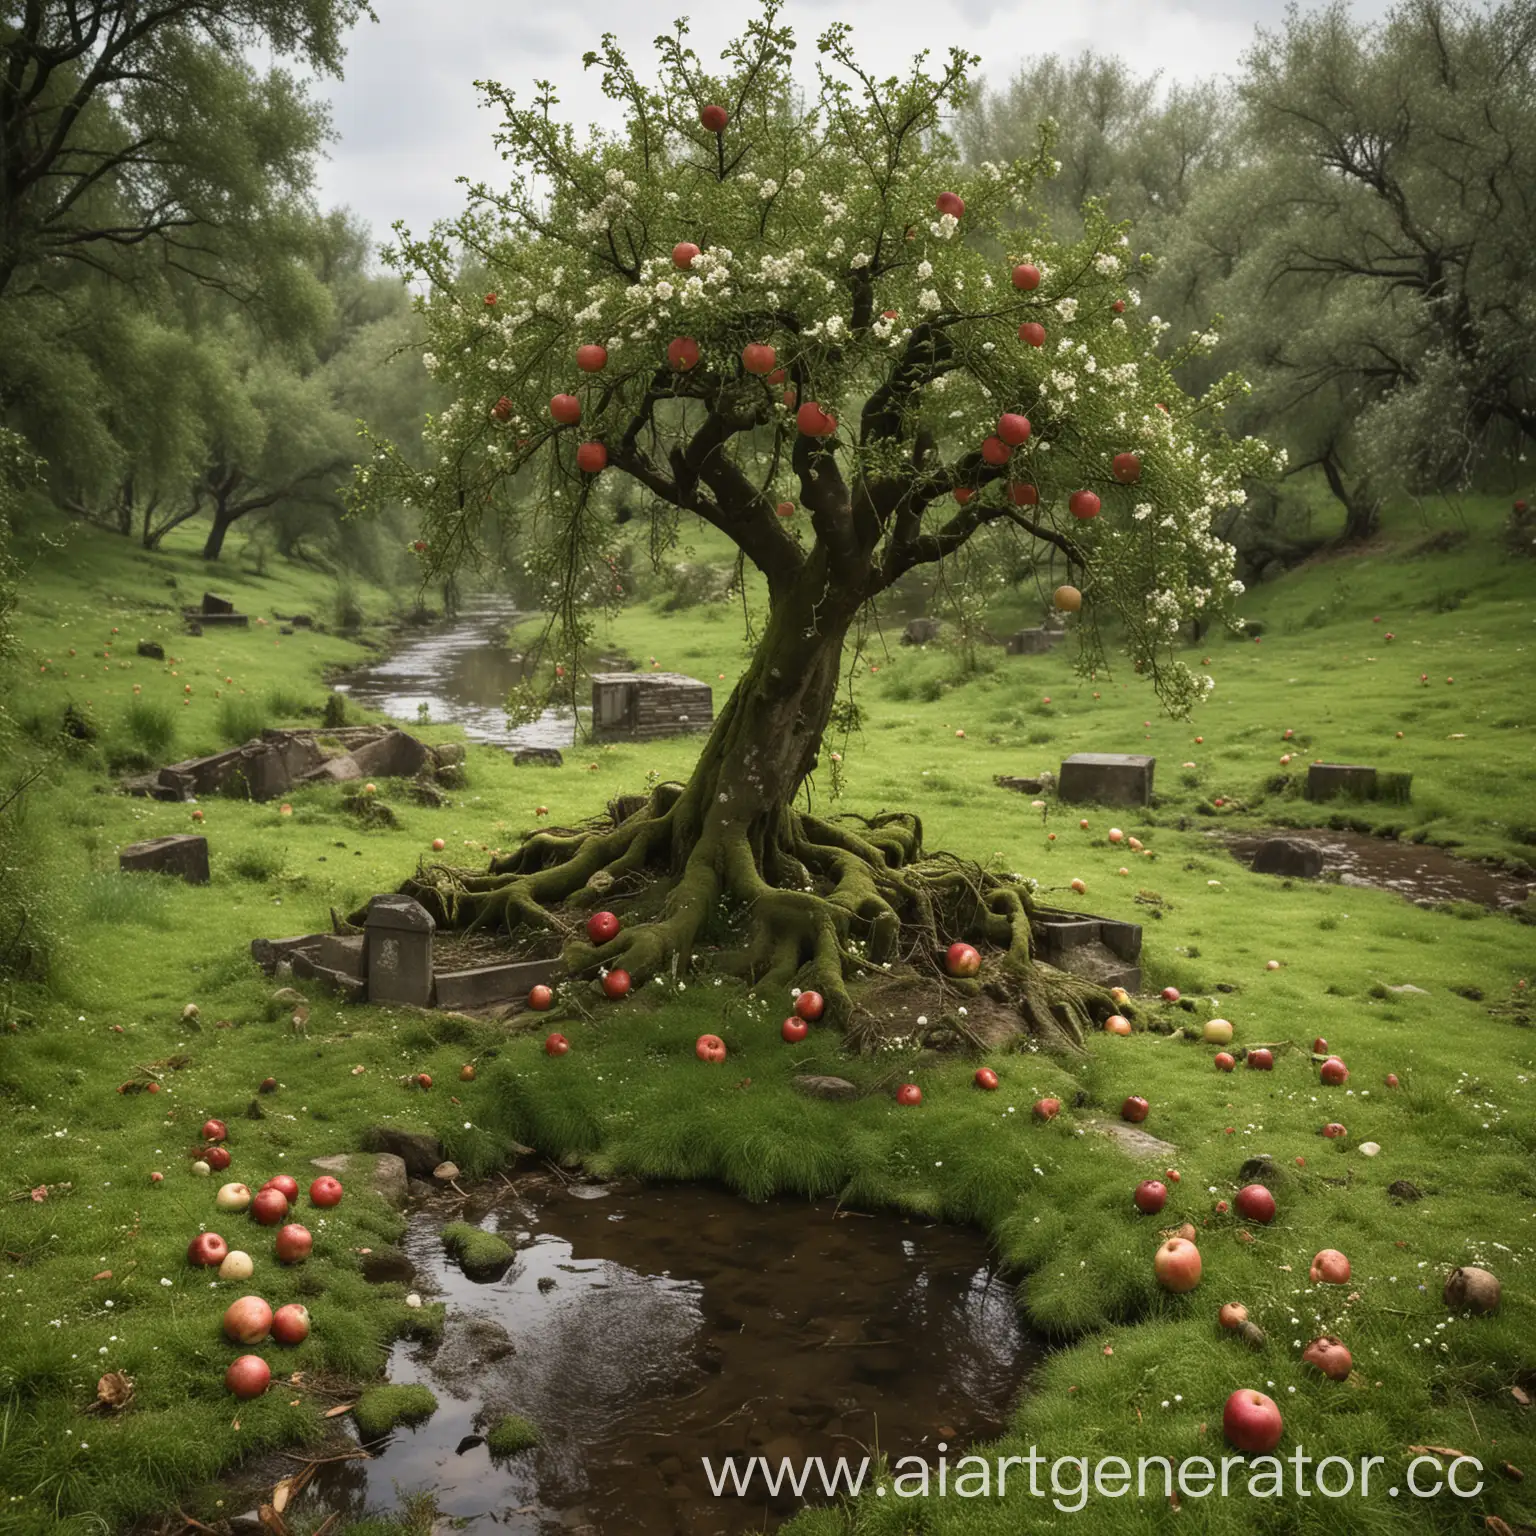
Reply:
x=642, y=1329
x=461, y=670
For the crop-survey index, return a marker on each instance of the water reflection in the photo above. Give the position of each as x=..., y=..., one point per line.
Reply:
x=462, y=670
x=651, y=1327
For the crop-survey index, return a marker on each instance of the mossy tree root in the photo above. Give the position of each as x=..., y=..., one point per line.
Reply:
x=820, y=903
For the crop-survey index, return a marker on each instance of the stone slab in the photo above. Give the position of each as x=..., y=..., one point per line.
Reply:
x=1326, y=780
x=539, y=757
x=399, y=951
x=335, y=770
x=343, y=952
x=1289, y=857
x=213, y=603
x=1031, y=642
x=921, y=631
x=1107, y=778
x=307, y=968
x=184, y=854
x=395, y=755
x=487, y=984
x=267, y=952
x=222, y=620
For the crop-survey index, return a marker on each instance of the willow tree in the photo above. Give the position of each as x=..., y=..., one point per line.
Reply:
x=794, y=316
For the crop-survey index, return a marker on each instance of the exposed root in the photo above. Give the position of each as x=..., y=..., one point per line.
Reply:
x=791, y=900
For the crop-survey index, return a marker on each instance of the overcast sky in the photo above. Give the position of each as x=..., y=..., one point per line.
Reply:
x=410, y=120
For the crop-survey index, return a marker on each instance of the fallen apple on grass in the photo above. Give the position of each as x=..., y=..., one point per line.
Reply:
x=1217, y=1032
x=270, y=1207
x=293, y=1244
x=1046, y=1109
x=1150, y=1196
x=1170, y=994
x=1177, y=1265
x=1329, y=1267
x=810, y=1006
x=1255, y=1203
x=467, y=1072
x=249, y=1376
x=616, y=984
x=540, y=998
x=1233, y=1314
x=1225, y=1061
x=909, y=1094
x=962, y=960
x=986, y=1078
x=201, y=1169
x=1329, y=1355
x=794, y=1029
x=601, y=927
x=556, y=1045
x=247, y=1321
x=290, y=1324
x=1252, y=1422
x=214, y=1130
x=1333, y=1072
x=1134, y=1109
x=236, y=1266
x=217, y=1158
x=233, y=1197
x=1334, y=1131
x=326, y=1191
x=1261, y=1060
x=710, y=1048
x=1117, y=1024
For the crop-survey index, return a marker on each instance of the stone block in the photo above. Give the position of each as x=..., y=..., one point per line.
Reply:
x=183, y=854
x=399, y=951
x=1290, y=857
x=1097, y=948
x=198, y=621
x=152, y=650
x=305, y=965
x=488, y=984
x=1107, y=778
x=816, y=1086
x=395, y=755
x=343, y=952
x=334, y=770
x=540, y=757
x=213, y=603
x=1326, y=780
x=267, y=952
x=1030, y=642
x=921, y=631
x=419, y=1152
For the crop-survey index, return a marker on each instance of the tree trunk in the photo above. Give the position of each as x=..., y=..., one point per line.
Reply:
x=223, y=521
x=1361, y=508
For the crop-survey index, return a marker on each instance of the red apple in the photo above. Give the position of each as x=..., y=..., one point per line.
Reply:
x=714, y=118
x=962, y=960
x=1233, y=1314
x=270, y=1207
x=556, y=1045
x=794, y=1030
x=683, y=253
x=1118, y=306
x=566, y=409
x=758, y=357
x=602, y=926
x=815, y=422
x=710, y=1048
x=217, y=1158
x=467, y=1072
x=1168, y=994
x=424, y=1080
x=290, y=1324
x=810, y=1006
x=294, y=1243
x=1225, y=1061
x=1117, y=1024
x=1391, y=1079
x=1022, y=493
x=591, y=458
x=1134, y=1109
x=438, y=845
x=1032, y=332
x=325, y=1191
x=247, y=1321
x=286, y=1183
x=1047, y=1109
x=592, y=358
x=1026, y=278
x=215, y=1130
x=985, y=1078
x=995, y=451
x=1013, y=428
x=1333, y=1072
x=1329, y=1267
x=1261, y=1060
x=1334, y=1131
x=950, y=203
x=207, y=1249
x=1177, y=1265
x=1255, y=1203
x=1083, y=504
x=248, y=1376
x=1251, y=1422
x=1319, y=1047
x=909, y=1093
x=616, y=984
x=682, y=354
x=1330, y=1356
x=267, y=1085
x=784, y=509
x=1151, y=1195
x=1126, y=468
x=540, y=998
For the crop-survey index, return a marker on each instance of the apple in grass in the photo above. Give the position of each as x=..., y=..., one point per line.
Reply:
x=1134, y=1109
x=217, y=1158
x=294, y=1243
x=1252, y=1422
x=1217, y=1032
x=1329, y=1355
x=1319, y=1047
x=1150, y=1196
x=1169, y=994
x=233, y=1197
x=286, y=1183
x=438, y=845
x=1046, y=1109
x=1334, y=1131
x=248, y=1320
x=236, y=1266
x=1261, y=1060
x=1117, y=1024
x=540, y=998
x=1232, y=1315
x=616, y=984
x=962, y=960
x=1255, y=1203
x=248, y=1377
x=215, y=1130
x=710, y=1048
x=985, y=1078
x=909, y=1094
x=810, y=1006
x=1329, y=1267
x=325, y=1191
x=794, y=1030
x=1177, y=1265
x=290, y=1324
x=270, y=1207
x=602, y=927
x=556, y=1045
x=1333, y=1072
x=1225, y=1061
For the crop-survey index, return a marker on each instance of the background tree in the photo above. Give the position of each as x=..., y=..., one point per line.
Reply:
x=1375, y=246
x=741, y=300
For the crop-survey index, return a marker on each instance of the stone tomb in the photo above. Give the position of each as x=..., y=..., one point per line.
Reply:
x=641, y=706
x=398, y=951
x=1032, y=642
x=216, y=610
x=1097, y=948
x=1107, y=778
x=1357, y=781
x=185, y=855
x=1289, y=857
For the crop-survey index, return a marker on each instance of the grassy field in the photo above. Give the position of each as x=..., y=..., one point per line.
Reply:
x=94, y=1271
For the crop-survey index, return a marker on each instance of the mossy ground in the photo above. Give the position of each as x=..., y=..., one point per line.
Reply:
x=381, y=1409
x=477, y=1250
x=510, y=1434
x=632, y=1096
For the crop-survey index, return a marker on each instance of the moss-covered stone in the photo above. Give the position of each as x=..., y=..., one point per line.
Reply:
x=480, y=1253
x=381, y=1409
x=510, y=1434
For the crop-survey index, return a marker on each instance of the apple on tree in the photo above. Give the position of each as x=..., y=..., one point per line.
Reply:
x=685, y=235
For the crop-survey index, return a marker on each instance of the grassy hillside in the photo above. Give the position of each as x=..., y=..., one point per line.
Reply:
x=95, y=1275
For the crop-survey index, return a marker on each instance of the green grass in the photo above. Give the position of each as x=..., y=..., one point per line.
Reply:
x=381, y=1409
x=510, y=1434
x=636, y=1100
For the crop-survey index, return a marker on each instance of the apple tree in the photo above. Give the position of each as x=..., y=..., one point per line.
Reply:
x=796, y=317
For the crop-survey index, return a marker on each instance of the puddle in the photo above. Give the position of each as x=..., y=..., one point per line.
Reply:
x=643, y=1329
x=1424, y=875
x=462, y=671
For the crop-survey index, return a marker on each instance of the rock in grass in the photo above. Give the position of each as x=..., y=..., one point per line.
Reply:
x=381, y=1409
x=481, y=1254
x=510, y=1434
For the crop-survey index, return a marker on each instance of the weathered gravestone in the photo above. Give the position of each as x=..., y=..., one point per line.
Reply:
x=921, y=631
x=1107, y=778
x=399, y=951
x=184, y=854
x=1325, y=780
x=1290, y=857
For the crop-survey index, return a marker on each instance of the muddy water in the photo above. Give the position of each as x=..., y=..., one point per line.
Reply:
x=462, y=670
x=643, y=1329
x=1425, y=876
